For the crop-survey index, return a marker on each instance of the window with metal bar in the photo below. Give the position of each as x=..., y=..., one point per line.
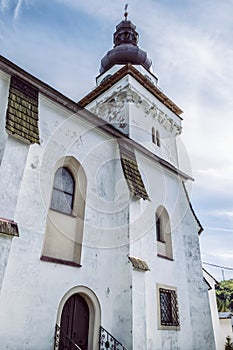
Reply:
x=169, y=315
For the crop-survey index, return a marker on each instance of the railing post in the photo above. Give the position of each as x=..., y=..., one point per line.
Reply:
x=107, y=341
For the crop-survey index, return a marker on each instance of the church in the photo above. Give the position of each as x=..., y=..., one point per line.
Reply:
x=99, y=241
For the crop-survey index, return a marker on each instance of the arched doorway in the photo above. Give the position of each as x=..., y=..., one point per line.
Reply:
x=74, y=323
x=78, y=312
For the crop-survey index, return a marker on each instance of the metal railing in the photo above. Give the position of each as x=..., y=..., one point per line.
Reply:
x=58, y=345
x=107, y=341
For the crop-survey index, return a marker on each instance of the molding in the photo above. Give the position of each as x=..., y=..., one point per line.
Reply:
x=110, y=109
x=143, y=80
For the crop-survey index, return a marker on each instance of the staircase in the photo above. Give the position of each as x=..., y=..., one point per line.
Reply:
x=107, y=341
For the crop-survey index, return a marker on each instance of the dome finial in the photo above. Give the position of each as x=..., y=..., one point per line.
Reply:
x=126, y=13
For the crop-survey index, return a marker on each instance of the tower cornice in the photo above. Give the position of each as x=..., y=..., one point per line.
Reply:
x=143, y=80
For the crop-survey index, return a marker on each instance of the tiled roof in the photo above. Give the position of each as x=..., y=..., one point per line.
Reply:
x=8, y=227
x=22, y=111
x=131, y=171
x=139, y=264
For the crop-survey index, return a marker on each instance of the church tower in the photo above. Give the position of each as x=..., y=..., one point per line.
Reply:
x=163, y=244
x=127, y=96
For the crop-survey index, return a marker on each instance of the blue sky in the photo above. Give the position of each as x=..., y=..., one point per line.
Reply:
x=190, y=43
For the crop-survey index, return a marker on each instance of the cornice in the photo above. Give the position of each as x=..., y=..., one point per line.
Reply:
x=109, y=108
x=143, y=80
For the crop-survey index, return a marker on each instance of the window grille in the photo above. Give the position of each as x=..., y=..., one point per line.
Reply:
x=168, y=307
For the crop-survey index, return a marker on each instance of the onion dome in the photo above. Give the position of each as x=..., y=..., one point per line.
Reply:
x=126, y=49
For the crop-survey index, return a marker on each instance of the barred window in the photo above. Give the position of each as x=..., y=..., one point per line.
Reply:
x=168, y=307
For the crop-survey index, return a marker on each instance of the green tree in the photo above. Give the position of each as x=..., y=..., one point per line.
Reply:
x=224, y=294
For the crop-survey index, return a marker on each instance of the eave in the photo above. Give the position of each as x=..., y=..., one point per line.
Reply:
x=131, y=70
x=12, y=69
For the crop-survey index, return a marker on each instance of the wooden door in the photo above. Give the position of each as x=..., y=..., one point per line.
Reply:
x=74, y=324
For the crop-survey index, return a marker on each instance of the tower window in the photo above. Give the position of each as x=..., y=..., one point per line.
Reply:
x=158, y=138
x=63, y=191
x=153, y=136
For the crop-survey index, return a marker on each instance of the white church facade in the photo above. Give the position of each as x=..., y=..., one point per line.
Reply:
x=99, y=244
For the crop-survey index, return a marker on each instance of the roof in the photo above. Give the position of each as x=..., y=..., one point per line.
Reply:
x=130, y=69
x=131, y=171
x=139, y=264
x=22, y=111
x=126, y=49
x=210, y=275
x=13, y=70
x=192, y=210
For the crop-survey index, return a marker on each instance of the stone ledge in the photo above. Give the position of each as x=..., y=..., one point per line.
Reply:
x=9, y=228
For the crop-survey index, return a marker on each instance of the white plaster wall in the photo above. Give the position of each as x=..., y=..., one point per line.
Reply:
x=214, y=310
x=33, y=289
x=4, y=90
x=225, y=330
x=203, y=334
x=5, y=244
x=164, y=190
x=130, y=108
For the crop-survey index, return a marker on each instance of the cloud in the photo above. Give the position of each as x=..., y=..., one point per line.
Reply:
x=4, y=4
x=17, y=8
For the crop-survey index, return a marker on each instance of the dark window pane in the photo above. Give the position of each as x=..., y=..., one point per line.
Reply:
x=62, y=201
x=64, y=181
x=159, y=232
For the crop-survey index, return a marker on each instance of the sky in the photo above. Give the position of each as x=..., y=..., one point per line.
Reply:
x=190, y=43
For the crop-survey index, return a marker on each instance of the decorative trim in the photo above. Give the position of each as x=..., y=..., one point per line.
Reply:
x=59, y=261
x=110, y=109
x=9, y=228
x=130, y=69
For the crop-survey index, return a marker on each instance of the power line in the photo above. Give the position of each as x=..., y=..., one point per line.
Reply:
x=222, y=267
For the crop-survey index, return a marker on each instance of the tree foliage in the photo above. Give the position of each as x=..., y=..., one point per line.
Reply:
x=224, y=294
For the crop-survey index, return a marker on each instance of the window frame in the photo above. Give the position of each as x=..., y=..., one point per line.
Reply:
x=174, y=325
x=163, y=233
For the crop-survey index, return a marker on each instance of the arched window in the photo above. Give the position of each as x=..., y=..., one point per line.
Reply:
x=63, y=191
x=163, y=233
x=65, y=219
